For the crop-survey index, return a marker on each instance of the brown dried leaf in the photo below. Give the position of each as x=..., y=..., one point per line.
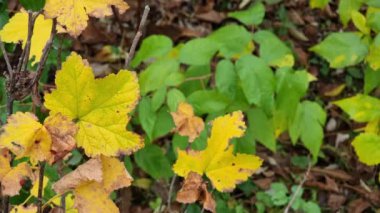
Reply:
x=186, y=123
x=11, y=182
x=89, y=171
x=190, y=191
x=194, y=189
x=62, y=131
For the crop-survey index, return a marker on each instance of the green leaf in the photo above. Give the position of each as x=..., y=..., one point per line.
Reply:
x=310, y=207
x=367, y=147
x=197, y=77
x=361, y=108
x=373, y=17
x=308, y=126
x=175, y=97
x=273, y=50
x=164, y=123
x=373, y=3
x=371, y=80
x=342, y=49
x=278, y=193
x=208, y=101
x=232, y=39
x=175, y=79
x=257, y=81
x=254, y=15
x=360, y=22
x=147, y=116
x=291, y=86
x=152, y=160
x=319, y=3
x=33, y=5
x=373, y=57
x=158, y=98
x=262, y=126
x=198, y=51
x=226, y=78
x=155, y=75
x=346, y=7
x=154, y=46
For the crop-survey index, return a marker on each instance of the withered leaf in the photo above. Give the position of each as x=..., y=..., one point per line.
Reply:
x=187, y=124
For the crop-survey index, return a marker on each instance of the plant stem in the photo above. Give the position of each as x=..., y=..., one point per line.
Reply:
x=137, y=37
x=40, y=187
x=31, y=21
x=299, y=187
x=171, y=192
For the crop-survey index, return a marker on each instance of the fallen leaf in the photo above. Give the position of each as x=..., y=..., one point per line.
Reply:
x=73, y=16
x=218, y=161
x=187, y=124
x=100, y=107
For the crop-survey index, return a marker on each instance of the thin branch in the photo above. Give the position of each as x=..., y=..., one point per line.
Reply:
x=59, y=53
x=7, y=61
x=171, y=192
x=45, y=54
x=299, y=187
x=40, y=187
x=9, y=105
x=32, y=18
x=137, y=37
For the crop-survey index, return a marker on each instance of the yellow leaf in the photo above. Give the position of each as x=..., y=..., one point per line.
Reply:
x=26, y=137
x=91, y=197
x=224, y=168
x=22, y=209
x=101, y=107
x=72, y=15
x=69, y=201
x=93, y=181
x=187, y=124
x=373, y=57
x=17, y=30
x=10, y=178
x=34, y=190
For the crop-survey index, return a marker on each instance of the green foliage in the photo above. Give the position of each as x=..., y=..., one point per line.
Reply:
x=342, y=49
x=319, y=3
x=253, y=15
x=152, y=47
x=153, y=161
x=33, y=5
x=273, y=50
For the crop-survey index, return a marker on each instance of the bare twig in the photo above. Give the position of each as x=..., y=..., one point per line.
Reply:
x=9, y=67
x=45, y=54
x=171, y=192
x=59, y=53
x=32, y=18
x=137, y=37
x=40, y=187
x=299, y=187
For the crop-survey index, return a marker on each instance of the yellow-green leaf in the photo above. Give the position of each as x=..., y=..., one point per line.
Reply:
x=360, y=22
x=101, y=107
x=361, y=108
x=367, y=147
